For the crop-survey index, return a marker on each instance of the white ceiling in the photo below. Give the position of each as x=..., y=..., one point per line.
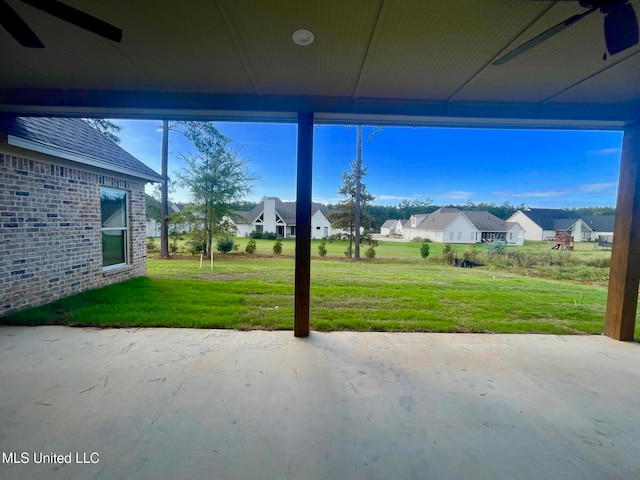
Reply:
x=382, y=61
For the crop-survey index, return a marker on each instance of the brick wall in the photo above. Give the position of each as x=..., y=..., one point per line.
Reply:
x=50, y=230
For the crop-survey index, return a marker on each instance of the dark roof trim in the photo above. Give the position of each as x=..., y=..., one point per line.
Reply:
x=330, y=110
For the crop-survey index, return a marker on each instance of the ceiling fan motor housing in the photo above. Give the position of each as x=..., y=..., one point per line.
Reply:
x=620, y=27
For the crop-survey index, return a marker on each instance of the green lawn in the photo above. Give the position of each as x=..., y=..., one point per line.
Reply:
x=401, y=292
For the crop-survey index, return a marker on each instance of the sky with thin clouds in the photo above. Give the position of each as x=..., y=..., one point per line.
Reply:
x=539, y=168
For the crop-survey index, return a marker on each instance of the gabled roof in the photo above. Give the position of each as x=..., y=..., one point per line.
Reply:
x=485, y=221
x=389, y=224
x=600, y=223
x=439, y=219
x=546, y=218
x=286, y=210
x=72, y=139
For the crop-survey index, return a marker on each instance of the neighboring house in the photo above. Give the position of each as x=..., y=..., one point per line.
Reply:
x=600, y=224
x=451, y=225
x=543, y=223
x=153, y=226
x=274, y=215
x=392, y=227
x=72, y=211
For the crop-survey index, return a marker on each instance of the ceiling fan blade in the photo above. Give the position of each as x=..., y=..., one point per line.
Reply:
x=77, y=18
x=542, y=37
x=17, y=28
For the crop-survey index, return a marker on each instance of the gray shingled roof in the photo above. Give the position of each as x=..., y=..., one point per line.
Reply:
x=600, y=223
x=485, y=221
x=546, y=218
x=389, y=224
x=563, y=223
x=439, y=219
x=72, y=139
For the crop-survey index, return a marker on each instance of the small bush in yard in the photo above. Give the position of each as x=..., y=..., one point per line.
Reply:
x=277, y=247
x=370, y=253
x=322, y=248
x=497, y=246
x=251, y=246
x=151, y=245
x=225, y=244
x=424, y=250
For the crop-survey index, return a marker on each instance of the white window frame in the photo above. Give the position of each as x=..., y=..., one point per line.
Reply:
x=124, y=229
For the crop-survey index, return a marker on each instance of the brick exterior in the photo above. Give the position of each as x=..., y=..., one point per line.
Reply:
x=50, y=230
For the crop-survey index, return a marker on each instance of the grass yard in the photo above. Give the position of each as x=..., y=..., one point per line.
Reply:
x=399, y=291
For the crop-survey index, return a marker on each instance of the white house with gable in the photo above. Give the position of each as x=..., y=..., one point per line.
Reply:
x=451, y=225
x=274, y=215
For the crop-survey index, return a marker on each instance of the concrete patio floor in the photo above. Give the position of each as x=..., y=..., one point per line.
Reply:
x=194, y=404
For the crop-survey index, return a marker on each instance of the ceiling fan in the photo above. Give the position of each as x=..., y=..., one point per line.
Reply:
x=620, y=28
x=26, y=37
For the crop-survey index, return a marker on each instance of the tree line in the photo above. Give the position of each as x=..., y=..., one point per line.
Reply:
x=378, y=214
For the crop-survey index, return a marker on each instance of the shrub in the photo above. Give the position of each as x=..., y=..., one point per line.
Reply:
x=497, y=246
x=471, y=254
x=424, y=250
x=322, y=248
x=265, y=235
x=251, y=246
x=370, y=253
x=151, y=245
x=277, y=247
x=417, y=240
x=225, y=244
x=447, y=254
x=348, y=252
x=194, y=247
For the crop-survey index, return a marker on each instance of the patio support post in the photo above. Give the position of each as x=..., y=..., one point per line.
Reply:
x=624, y=276
x=303, y=224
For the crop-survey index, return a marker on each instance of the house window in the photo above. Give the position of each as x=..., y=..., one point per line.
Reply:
x=510, y=235
x=459, y=235
x=450, y=235
x=115, y=227
x=292, y=231
x=258, y=228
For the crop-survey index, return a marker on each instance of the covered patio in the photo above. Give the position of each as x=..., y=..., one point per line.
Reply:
x=491, y=63
x=221, y=404
x=161, y=403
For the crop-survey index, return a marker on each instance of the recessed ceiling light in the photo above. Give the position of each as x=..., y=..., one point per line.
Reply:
x=303, y=37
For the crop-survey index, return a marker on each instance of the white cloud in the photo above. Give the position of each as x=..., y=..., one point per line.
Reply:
x=547, y=194
x=597, y=187
x=457, y=195
x=390, y=197
x=605, y=151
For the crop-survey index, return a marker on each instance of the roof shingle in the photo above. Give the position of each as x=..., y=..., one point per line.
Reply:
x=74, y=136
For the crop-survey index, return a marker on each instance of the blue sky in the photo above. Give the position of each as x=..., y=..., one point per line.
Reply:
x=540, y=168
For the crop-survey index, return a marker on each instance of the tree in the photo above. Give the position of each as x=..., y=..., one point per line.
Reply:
x=343, y=215
x=106, y=127
x=216, y=177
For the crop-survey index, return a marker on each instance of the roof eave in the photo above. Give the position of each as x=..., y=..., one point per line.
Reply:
x=79, y=158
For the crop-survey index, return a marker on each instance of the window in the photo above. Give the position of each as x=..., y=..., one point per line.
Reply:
x=115, y=230
x=459, y=235
x=292, y=231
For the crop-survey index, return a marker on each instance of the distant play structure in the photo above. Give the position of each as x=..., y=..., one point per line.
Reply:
x=563, y=241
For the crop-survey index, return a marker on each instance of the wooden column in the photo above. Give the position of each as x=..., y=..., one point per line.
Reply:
x=624, y=277
x=303, y=224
